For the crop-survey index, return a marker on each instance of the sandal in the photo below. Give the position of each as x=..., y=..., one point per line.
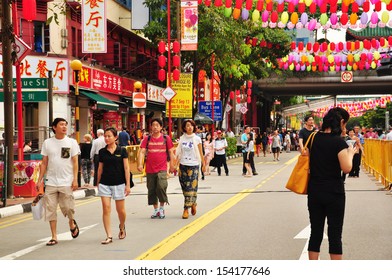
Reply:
x=122, y=234
x=107, y=240
x=52, y=242
x=76, y=228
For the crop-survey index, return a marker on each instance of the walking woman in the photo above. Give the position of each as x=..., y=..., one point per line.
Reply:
x=189, y=157
x=329, y=156
x=357, y=156
x=249, y=155
x=208, y=152
x=258, y=142
x=113, y=182
x=86, y=162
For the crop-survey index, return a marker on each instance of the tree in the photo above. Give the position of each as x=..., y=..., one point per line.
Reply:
x=236, y=60
x=376, y=118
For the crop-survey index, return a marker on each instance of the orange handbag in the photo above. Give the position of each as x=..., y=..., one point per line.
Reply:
x=299, y=178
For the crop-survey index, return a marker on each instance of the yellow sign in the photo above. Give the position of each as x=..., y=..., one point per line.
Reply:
x=181, y=103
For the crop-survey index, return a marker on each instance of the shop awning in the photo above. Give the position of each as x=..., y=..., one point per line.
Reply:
x=102, y=102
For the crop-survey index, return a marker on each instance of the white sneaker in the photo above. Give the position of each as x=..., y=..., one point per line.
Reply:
x=161, y=213
x=155, y=214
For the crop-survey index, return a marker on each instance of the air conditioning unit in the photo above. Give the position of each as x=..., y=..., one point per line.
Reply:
x=64, y=43
x=64, y=32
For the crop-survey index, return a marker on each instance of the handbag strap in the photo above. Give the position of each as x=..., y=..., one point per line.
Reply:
x=311, y=137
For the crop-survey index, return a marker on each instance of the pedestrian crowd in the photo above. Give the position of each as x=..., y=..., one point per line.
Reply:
x=105, y=161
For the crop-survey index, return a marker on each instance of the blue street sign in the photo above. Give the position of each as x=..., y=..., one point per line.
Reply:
x=205, y=107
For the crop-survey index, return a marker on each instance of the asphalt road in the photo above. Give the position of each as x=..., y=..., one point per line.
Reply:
x=238, y=219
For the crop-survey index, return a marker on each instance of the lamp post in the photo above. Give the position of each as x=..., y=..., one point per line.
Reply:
x=212, y=93
x=137, y=86
x=76, y=66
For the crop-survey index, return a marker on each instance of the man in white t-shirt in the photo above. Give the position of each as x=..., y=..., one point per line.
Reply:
x=220, y=153
x=60, y=165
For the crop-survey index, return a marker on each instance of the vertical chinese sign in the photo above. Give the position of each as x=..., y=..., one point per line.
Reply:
x=182, y=101
x=94, y=26
x=189, y=25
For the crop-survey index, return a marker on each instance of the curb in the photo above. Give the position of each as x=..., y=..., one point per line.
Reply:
x=26, y=207
x=234, y=156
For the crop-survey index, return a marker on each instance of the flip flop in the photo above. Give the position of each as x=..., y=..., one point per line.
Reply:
x=52, y=242
x=76, y=228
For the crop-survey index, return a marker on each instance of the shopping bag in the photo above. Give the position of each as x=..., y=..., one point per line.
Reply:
x=299, y=178
x=37, y=207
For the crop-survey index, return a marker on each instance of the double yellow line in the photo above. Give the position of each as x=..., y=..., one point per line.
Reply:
x=163, y=248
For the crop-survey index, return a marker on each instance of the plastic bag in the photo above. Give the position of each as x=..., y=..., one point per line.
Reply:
x=37, y=207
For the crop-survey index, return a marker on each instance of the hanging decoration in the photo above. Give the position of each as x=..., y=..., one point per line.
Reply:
x=356, y=109
x=342, y=15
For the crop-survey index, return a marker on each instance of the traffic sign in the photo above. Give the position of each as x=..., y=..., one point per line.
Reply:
x=243, y=110
x=168, y=93
x=228, y=107
x=21, y=49
x=139, y=100
x=205, y=107
x=346, y=76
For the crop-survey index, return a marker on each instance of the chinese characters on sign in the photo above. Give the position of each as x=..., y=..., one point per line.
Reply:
x=107, y=82
x=38, y=67
x=182, y=102
x=189, y=25
x=94, y=26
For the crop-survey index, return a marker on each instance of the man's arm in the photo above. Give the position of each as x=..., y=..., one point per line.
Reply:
x=140, y=158
x=75, y=165
x=42, y=171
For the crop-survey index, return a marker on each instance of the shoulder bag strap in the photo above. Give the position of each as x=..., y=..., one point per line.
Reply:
x=311, y=137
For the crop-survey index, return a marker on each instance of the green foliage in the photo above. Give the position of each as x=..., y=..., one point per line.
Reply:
x=232, y=146
x=376, y=118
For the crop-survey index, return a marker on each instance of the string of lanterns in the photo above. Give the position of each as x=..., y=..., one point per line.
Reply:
x=298, y=15
x=356, y=109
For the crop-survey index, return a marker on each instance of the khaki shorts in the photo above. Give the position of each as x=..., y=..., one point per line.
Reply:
x=62, y=196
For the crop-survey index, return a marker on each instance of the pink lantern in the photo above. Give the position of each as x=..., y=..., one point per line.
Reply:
x=374, y=18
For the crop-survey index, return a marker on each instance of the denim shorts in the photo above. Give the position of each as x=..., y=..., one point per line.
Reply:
x=117, y=192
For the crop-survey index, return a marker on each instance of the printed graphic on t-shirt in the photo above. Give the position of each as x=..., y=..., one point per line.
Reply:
x=65, y=152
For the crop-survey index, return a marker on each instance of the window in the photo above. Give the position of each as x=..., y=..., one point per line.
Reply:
x=126, y=3
x=41, y=37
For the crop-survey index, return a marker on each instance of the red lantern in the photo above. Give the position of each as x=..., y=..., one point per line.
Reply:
x=249, y=84
x=238, y=100
x=249, y=92
x=29, y=9
x=293, y=45
x=382, y=41
x=357, y=45
x=323, y=8
x=344, y=8
x=161, y=75
x=374, y=43
x=280, y=7
x=270, y=6
x=333, y=8
x=218, y=3
x=161, y=47
x=300, y=46
x=176, y=74
x=238, y=4
x=199, y=2
x=228, y=3
x=309, y=46
x=344, y=19
x=162, y=61
x=301, y=8
x=366, y=6
x=249, y=4
x=354, y=7
x=176, y=47
x=274, y=16
x=316, y=47
x=176, y=60
x=390, y=41
x=312, y=8
x=377, y=6
x=291, y=8
x=259, y=5
x=248, y=100
x=231, y=94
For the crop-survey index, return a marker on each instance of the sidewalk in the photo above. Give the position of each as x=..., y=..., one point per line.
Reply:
x=20, y=205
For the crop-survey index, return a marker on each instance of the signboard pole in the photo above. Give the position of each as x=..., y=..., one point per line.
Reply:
x=212, y=93
x=169, y=64
x=8, y=97
x=19, y=105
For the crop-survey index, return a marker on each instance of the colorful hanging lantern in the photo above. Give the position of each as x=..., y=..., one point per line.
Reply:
x=161, y=47
x=161, y=75
x=176, y=47
x=176, y=74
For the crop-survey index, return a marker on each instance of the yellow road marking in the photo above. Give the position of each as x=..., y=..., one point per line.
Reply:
x=169, y=244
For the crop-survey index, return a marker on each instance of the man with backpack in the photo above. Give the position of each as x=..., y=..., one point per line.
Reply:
x=156, y=149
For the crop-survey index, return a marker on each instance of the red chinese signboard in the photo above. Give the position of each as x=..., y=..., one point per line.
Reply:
x=106, y=82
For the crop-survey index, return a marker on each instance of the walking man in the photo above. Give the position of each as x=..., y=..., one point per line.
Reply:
x=60, y=164
x=156, y=148
x=305, y=132
x=123, y=138
x=98, y=144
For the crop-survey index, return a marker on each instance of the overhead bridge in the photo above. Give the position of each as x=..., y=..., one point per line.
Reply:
x=364, y=82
